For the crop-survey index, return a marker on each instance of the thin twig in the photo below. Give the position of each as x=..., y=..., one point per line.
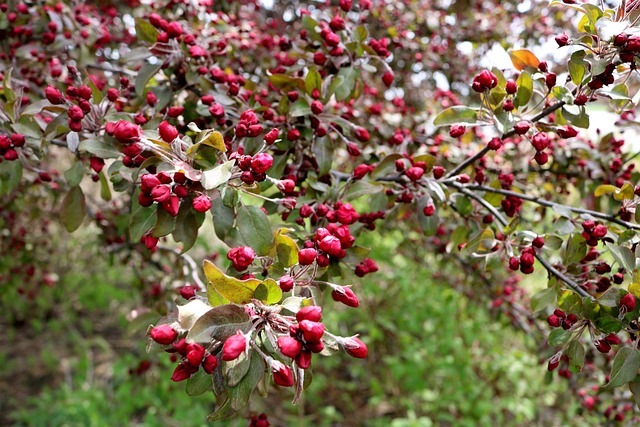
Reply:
x=552, y=270
x=543, y=202
x=550, y=109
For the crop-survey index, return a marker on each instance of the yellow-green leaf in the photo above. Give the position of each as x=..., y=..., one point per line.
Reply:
x=604, y=189
x=268, y=292
x=235, y=290
x=284, y=248
x=523, y=58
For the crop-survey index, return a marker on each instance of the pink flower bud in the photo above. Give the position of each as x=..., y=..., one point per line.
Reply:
x=312, y=313
x=289, y=346
x=202, y=203
x=172, y=206
x=456, y=130
x=387, y=78
x=182, y=372
x=261, y=162
x=163, y=334
x=286, y=283
x=75, y=113
x=234, y=346
x=414, y=173
x=355, y=347
x=195, y=354
x=148, y=182
x=311, y=331
x=303, y=359
x=167, y=131
x=126, y=132
x=331, y=245
x=361, y=134
x=161, y=193
x=209, y=364
x=307, y=256
x=53, y=95
x=281, y=374
x=346, y=296
x=241, y=257
x=188, y=292
x=628, y=302
x=97, y=164
x=271, y=136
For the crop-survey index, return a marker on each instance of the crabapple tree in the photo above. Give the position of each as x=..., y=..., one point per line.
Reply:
x=295, y=127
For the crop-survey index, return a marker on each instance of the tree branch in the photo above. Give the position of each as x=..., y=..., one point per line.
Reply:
x=551, y=269
x=550, y=109
x=606, y=217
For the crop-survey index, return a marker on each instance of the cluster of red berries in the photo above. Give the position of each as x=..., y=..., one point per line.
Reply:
x=365, y=267
x=540, y=141
x=8, y=145
x=241, y=257
x=527, y=257
x=129, y=135
x=193, y=355
x=305, y=338
x=254, y=167
x=560, y=319
x=167, y=190
x=593, y=232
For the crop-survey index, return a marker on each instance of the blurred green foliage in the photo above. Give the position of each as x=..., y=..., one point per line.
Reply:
x=436, y=358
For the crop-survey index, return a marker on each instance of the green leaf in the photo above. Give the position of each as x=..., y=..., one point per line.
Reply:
x=569, y=302
x=623, y=255
x=313, y=81
x=95, y=92
x=223, y=412
x=360, y=33
x=268, y=292
x=558, y=337
x=601, y=190
x=607, y=324
x=576, y=249
x=105, y=190
x=235, y=290
x=456, y=114
x=626, y=192
x=543, y=299
x=525, y=89
x=284, y=248
x=285, y=82
x=74, y=174
x=144, y=75
x=73, y=209
x=165, y=223
x=219, y=323
x=344, y=83
x=223, y=219
x=235, y=370
x=99, y=149
x=300, y=108
x=186, y=227
x=575, y=353
x=217, y=176
x=578, y=118
x=10, y=176
x=142, y=220
x=239, y=395
x=624, y=369
x=199, y=383
x=145, y=31
x=255, y=228
x=577, y=67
